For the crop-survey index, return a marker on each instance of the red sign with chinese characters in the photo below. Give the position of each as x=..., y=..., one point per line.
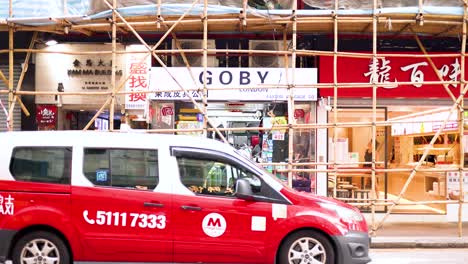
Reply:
x=46, y=115
x=138, y=67
x=388, y=71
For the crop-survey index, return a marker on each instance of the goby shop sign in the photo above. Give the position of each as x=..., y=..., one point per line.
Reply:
x=259, y=84
x=390, y=70
x=76, y=73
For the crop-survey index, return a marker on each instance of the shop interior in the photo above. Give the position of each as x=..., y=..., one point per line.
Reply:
x=399, y=146
x=262, y=146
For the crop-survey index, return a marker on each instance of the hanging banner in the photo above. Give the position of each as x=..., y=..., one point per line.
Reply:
x=390, y=70
x=46, y=117
x=138, y=68
x=266, y=79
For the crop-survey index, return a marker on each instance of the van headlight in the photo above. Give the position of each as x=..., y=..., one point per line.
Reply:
x=346, y=214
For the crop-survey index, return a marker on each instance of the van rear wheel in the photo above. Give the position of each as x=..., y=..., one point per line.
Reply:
x=306, y=247
x=40, y=247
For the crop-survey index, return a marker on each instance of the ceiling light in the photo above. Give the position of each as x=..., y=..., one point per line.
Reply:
x=51, y=42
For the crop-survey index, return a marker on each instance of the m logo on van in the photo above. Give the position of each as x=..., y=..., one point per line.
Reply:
x=214, y=225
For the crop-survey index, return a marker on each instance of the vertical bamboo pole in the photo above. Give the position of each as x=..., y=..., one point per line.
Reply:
x=335, y=94
x=10, y=67
x=4, y=79
x=158, y=15
x=113, y=66
x=20, y=81
x=461, y=123
x=244, y=13
x=374, y=113
x=291, y=86
x=205, y=65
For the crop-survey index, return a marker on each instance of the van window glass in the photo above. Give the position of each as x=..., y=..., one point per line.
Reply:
x=41, y=164
x=124, y=168
x=215, y=178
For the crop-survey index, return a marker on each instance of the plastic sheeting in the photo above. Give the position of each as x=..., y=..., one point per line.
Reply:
x=369, y=4
x=38, y=12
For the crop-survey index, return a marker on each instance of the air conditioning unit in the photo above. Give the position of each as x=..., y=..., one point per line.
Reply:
x=267, y=60
x=195, y=60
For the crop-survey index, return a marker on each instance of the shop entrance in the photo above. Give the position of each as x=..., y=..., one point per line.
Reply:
x=250, y=128
x=399, y=147
x=354, y=156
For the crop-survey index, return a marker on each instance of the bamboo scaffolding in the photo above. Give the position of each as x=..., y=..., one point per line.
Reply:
x=436, y=71
x=11, y=77
x=423, y=157
x=200, y=108
x=461, y=117
x=4, y=79
x=335, y=91
x=205, y=70
x=126, y=79
x=113, y=65
x=237, y=52
x=291, y=84
x=290, y=25
x=374, y=114
x=20, y=83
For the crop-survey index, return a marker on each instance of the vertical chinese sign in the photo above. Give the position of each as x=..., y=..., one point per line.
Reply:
x=137, y=67
x=46, y=117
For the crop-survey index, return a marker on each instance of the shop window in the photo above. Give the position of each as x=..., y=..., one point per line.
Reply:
x=42, y=164
x=122, y=168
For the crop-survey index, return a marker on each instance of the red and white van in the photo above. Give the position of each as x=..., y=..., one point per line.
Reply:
x=75, y=196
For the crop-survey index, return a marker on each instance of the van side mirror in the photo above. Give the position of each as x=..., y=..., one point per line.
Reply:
x=244, y=190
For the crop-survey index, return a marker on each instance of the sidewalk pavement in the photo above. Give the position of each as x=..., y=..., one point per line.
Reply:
x=420, y=235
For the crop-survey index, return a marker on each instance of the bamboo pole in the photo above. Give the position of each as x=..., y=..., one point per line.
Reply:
x=4, y=79
x=437, y=72
x=236, y=52
x=20, y=83
x=291, y=86
x=462, y=121
x=158, y=15
x=11, y=62
x=304, y=21
x=113, y=66
x=205, y=70
x=335, y=93
x=374, y=113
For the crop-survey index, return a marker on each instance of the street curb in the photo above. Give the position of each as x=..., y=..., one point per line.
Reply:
x=406, y=242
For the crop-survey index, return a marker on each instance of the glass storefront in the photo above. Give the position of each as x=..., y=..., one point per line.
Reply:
x=399, y=147
x=239, y=124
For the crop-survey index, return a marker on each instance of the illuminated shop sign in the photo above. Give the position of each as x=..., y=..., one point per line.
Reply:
x=260, y=84
x=76, y=73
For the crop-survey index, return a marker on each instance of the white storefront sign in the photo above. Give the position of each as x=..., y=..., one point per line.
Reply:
x=260, y=84
x=138, y=66
x=76, y=73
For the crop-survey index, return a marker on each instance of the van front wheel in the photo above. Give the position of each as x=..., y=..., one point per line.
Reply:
x=40, y=247
x=306, y=247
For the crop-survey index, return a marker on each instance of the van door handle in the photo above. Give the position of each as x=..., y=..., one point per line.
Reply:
x=151, y=204
x=190, y=208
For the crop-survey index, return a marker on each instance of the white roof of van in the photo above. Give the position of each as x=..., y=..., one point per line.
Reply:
x=99, y=138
